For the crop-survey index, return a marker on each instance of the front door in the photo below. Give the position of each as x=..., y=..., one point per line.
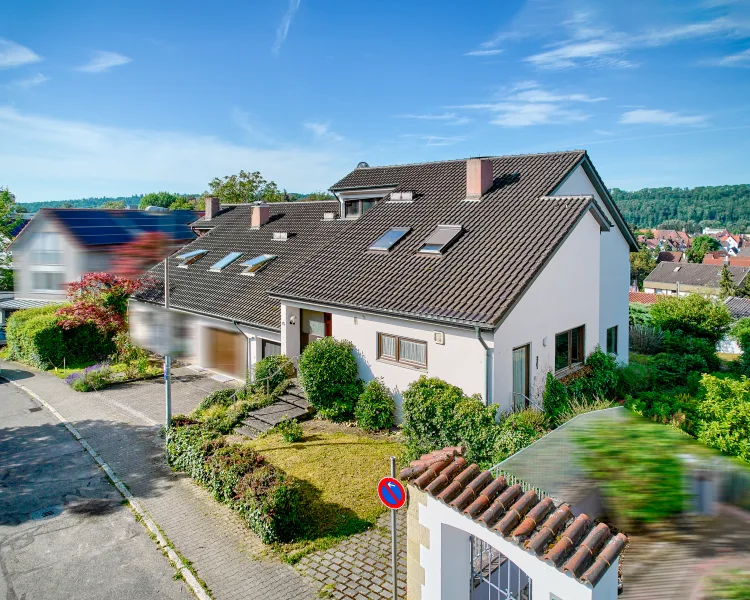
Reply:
x=315, y=325
x=521, y=356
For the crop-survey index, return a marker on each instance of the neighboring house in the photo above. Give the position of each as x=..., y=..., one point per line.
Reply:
x=689, y=278
x=219, y=283
x=739, y=307
x=671, y=239
x=723, y=258
x=430, y=278
x=644, y=298
x=60, y=244
x=667, y=256
x=730, y=241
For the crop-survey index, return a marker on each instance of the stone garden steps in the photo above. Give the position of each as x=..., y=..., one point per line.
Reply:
x=292, y=404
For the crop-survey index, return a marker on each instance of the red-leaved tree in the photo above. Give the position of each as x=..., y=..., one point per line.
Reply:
x=100, y=299
x=136, y=257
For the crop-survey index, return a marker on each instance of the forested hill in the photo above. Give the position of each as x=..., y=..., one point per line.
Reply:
x=721, y=205
x=32, y=207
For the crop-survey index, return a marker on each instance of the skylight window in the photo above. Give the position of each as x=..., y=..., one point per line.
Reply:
x=190, y=257
x=254, y=265
x=225, y=262
x=389, y=239
x=441, y=239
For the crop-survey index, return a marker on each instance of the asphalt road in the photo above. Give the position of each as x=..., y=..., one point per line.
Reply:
x=64, y=530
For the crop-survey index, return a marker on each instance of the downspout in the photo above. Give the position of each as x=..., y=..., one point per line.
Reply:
x=487, y=365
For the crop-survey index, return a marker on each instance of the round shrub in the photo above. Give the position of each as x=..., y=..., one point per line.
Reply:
x=272, y=371
x=692, y=314
x=291, y=431
x=671, y=370
x=375, y=407
x=328, y=373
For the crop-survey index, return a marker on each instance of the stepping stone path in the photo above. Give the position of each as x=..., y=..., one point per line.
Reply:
x=292, y=404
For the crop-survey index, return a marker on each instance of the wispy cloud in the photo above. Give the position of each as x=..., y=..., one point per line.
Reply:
x=322, y=130
x=81, y=159
x=485, y=52
x=434, y=140
x=449, y=118
x=283, y=30
x=576, y=53
x=740, y=59
x=28, y=82
x=528, y=103
x=103, y=61
x=644, y=116
x=15, y=55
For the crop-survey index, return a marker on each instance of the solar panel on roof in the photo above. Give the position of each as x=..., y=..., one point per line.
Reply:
x=389, y=239
x=441, y=239
x=225, y=262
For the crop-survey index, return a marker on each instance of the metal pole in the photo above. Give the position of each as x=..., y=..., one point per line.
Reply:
x=167, y=358
x=394, y=554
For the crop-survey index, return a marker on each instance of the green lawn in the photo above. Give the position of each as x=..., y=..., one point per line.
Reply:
x=339, y=468
x=154, y=368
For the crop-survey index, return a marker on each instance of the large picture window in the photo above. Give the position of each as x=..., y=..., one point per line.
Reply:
x=569, y=348
x=402, y=350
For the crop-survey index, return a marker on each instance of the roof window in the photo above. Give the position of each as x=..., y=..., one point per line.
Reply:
x=254, y=265
x=190, y=257
x=225, y=262
x=389, y=239
x=441, y=239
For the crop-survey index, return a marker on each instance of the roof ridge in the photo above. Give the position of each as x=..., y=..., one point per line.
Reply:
x=450, y=160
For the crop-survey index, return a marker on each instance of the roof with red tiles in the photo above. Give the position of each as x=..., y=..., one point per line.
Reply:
x=644, y=298
x=573, y=545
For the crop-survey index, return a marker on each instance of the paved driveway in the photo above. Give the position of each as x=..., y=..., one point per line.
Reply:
x=64, y=532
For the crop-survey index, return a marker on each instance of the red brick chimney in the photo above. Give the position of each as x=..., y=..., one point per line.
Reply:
x=260, y=212
x=212, y=207
x=478, y=177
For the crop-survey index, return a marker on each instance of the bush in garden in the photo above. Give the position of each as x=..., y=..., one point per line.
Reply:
x=632, y=379
x=694, y=315
x=646, y=339
x=291, y=431
x=221, y=397
x=671, y=370
x=134, y=359
x=517, y=431
x=271, y=371
x=438, y=414
x=91, y=378
x=555, y=399
x=724, y=414
x=677, y=342
x=741, y=332
x=375, y=407
x=639, y=314
x=267, y=498
x=598, y=378
x=637, y=471
x=328, y=373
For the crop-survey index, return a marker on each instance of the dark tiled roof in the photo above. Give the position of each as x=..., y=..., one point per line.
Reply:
x=572, y=545
x=739, y=307
x=693, y=274
x=665, y=256
x=643, y=298
x=230, y=295
x=481, y=276
x=105, y=227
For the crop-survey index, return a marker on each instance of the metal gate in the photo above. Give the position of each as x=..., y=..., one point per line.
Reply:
x=493, y=576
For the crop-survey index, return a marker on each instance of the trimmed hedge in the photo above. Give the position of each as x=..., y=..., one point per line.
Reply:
x=266, y=497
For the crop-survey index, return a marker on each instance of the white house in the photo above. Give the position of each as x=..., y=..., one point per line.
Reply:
x=434, y=275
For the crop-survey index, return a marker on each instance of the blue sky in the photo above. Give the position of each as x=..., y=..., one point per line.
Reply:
x=116, y=98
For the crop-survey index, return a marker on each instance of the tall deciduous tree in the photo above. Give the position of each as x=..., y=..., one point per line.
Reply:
x=244, y=188
x=163, y=199
x=641, y=264
x=9, y=217
x=701, y=245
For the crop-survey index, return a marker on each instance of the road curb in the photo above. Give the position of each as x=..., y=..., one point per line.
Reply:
x=161, y=541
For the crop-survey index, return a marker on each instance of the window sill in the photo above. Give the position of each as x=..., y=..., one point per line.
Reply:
x=568, y=370
x=395, y=363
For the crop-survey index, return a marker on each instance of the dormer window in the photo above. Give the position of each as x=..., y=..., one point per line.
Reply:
x=353, y=209
x=441, y=239
x=190, y=257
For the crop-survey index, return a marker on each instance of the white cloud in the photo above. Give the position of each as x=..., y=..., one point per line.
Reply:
x=283, y=30
x=741, y=59
x=80, y=159
x=485, y=52
x=15, y=55
x=644, y=116
x=27, y=82
x=323, y=130
x=720, y=26
x=570, y=54
x=103, y=61
x=434, y=140
x=450, y=118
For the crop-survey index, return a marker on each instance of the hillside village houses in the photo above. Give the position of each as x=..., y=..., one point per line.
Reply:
x=419, y=266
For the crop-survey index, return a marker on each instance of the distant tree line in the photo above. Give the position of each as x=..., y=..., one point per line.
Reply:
x=689, y=209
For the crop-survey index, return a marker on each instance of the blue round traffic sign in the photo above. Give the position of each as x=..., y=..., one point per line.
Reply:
x=391, y=492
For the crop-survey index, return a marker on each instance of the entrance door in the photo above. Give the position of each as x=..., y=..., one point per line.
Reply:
x=315, y=325
x=521, y=391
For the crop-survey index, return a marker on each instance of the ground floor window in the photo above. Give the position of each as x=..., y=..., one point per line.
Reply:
x=612, y=340
x=569, y=348
x=269, y=348
x=402, y=350
x=47, y=281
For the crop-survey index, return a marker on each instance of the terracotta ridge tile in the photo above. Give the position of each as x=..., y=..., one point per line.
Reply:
x=442, y=480
x=605, y=559
x=458, y=483
x=536, y=514
x=587, y=549
x=486, y=496
x=568, y=540
x=471, y=492
x=500, y=505
x=516, y=512
x=549, y=529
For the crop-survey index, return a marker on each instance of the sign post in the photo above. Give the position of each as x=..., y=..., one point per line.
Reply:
x=167, y=358
x=393, y=495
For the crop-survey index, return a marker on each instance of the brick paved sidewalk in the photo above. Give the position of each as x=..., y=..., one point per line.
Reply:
x=121, y=423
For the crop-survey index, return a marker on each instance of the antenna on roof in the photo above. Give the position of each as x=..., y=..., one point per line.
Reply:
x=362, y=165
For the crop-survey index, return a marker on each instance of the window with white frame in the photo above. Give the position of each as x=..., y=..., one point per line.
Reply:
x=47, y=281
x=354, y=209
x=612, y=340
x=402, y=350
x=47, y=249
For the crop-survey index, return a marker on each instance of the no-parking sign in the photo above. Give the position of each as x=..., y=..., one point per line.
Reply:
x=391, y=493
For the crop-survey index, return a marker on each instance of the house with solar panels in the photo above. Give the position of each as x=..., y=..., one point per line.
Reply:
x=434, y=275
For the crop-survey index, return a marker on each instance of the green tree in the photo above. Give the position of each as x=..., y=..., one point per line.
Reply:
x=114, y=204
x=245, y=188
x=318, y=196
x=182, y=203
x=163, y=199
x=9, y=218
x=641, y=264
x=726, y=284
x=693, y=315
x=701, y=245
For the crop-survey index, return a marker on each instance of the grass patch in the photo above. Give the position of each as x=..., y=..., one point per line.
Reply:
x=339, y=469
x=154, y=368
